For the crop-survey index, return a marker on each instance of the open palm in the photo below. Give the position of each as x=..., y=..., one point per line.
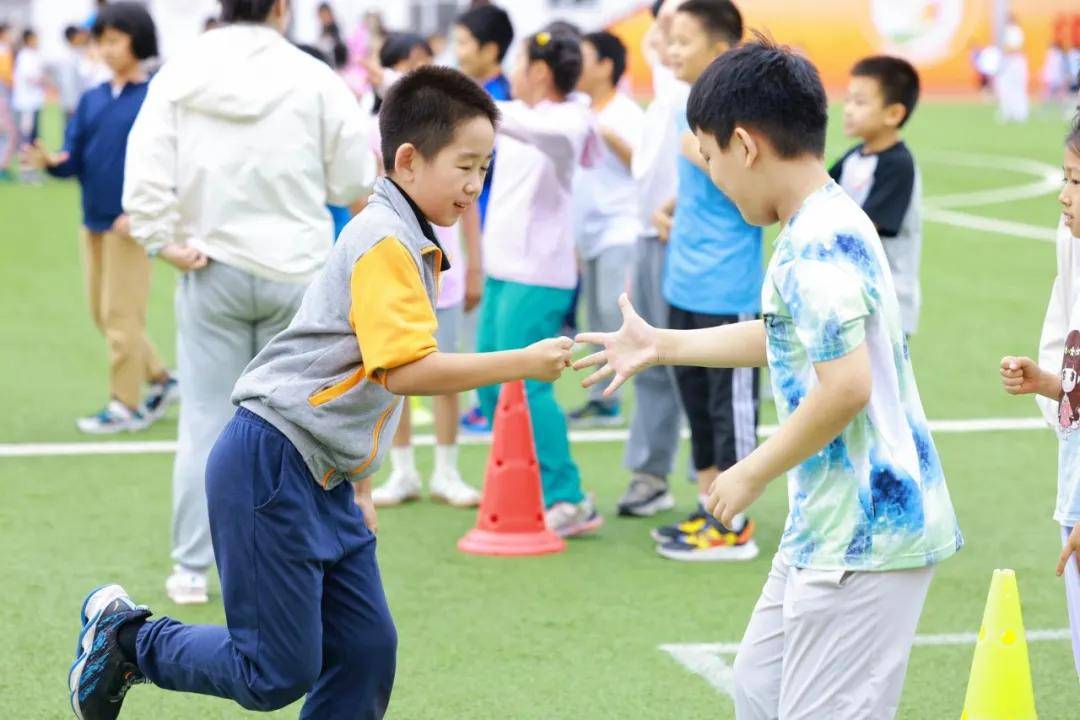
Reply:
x=626, y=352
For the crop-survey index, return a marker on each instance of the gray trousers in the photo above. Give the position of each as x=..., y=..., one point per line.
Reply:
x=658, y=413
x=224, y=316
x=603, y=279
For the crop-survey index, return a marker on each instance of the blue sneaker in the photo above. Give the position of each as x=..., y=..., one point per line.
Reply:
x=101, y=674
x=158, y=398
x=114, y=418
x=596, y=413
x=475, y=422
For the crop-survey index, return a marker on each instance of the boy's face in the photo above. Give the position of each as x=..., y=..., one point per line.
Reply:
x=691, y=48
x=115, y=48
x=739, y=175
x=475, y=60
x=445, y=185
x=595, y=74
x=1070, y=193
x=866, y=114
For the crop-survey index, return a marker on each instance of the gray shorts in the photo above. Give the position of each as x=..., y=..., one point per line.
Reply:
x=448, y=334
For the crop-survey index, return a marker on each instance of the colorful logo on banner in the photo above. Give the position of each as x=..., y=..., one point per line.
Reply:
x=923, y=31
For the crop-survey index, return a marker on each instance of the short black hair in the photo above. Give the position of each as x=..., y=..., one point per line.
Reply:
x=132, y=19
x=246, y=10
x=767, y=88
x=425, y=108
x=313, y=52
x=1072, y=139
x=655, y=9
x=561, y=52
x=720, y=18
x=489, y=24
x=71, y=32
x=398, y=47
x=27, y=34
x=609, y=47
x=897, y=78
x=564, y=26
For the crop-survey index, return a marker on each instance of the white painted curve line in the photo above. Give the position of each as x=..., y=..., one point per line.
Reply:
x=163, y=447
x=710, y=660
x=1049, y=180
x=991, y=225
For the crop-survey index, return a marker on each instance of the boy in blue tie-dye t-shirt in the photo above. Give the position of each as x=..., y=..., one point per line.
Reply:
x=870, y=514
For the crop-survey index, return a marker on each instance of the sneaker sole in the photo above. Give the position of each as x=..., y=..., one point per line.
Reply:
x=86, y=641
x=113, y=430
x=395, y=502
x=444, y=500
x=665, y=501
x=721, y=553
x=595, y=422
x=581, y=528
x=178, y=599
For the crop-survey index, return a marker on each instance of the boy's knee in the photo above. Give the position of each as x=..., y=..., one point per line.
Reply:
x=753, y=688
x=282, y=690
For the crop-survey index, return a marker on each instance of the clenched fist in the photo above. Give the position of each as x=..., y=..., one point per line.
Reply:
x=548, y=358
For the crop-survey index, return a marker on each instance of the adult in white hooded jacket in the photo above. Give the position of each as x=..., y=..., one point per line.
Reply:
x=242, y=141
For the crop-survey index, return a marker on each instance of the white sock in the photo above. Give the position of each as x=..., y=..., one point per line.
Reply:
x=445, y=458
x=702, y=499
x=401, y=458
x=738, y=523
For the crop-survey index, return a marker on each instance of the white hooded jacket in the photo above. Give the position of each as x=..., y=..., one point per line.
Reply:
x=242, y=141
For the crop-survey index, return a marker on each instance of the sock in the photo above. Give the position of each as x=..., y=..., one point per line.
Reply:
x=401, y=458
x=445, y=458
x=738, y=523
x=125, y=638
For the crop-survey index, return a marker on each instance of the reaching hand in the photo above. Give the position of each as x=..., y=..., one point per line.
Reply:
x=1072, y=546
x=548, y=358
x=626, y=352
x=731, y=494
x=122, y=225
x=474, y=288
x=183, y=257
x=37, y=157
x=1020, y=375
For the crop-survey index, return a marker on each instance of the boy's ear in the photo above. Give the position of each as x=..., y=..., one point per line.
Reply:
x=746, y=145
x=720, y=47
x=489, y=52
x=894, y=114
x=405, y=160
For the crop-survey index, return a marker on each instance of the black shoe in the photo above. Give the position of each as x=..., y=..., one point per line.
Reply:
x=696, y=522
x=101, y=674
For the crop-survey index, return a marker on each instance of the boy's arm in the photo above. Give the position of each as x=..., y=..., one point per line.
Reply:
x=520, y=122
x=395, y=328
x=638, y=345
x=622, y=149
x=150, y=199
x=691, y=150
x=474, y=268
x=843, y=390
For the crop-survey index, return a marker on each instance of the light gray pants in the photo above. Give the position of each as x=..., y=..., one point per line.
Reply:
x=1072, y=599
x=658, y=413
x=828, y=644
x=224, y=316
x=603, y=279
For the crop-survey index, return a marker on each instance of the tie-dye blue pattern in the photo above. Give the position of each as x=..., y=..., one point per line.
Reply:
x=875, y=497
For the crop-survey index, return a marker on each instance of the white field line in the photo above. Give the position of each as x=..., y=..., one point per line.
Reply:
x=710, y=661
x=135, y=447
x=938, y=208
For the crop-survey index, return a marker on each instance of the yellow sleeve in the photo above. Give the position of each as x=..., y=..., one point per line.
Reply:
x=391, y=314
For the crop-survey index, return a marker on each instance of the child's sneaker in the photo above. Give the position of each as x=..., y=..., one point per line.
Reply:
x=102, y=674
x=187, y=587
x=159, y=397
x=714, y=543
x=596, y=413
x=475, y=422
x=692, y=524
x=567, y=519
x=448, y=487
x=115, y=418
x=400, y=487
x=645, y=496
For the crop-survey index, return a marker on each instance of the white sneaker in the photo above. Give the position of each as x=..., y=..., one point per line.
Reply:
x=400, y=487
x=114, y=418
x=448, y=487
x=566, y=519
x=186, y=587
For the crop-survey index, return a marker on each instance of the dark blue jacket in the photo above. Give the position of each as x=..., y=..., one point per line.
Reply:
x=96, y=141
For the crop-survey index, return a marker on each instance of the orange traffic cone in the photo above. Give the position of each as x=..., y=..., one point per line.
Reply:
x=511, y=516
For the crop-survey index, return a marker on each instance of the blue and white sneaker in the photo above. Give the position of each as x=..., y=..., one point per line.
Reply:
x=115, y=418
x=101, y=674
x=159, y=398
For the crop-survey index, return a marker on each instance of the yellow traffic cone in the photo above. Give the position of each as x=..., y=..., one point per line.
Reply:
x=1000, y=684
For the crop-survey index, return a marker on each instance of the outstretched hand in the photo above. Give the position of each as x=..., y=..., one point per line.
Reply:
x=626, y=352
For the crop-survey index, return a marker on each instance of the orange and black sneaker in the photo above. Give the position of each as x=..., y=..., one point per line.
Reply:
x=694, y=523
x=713, y=543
